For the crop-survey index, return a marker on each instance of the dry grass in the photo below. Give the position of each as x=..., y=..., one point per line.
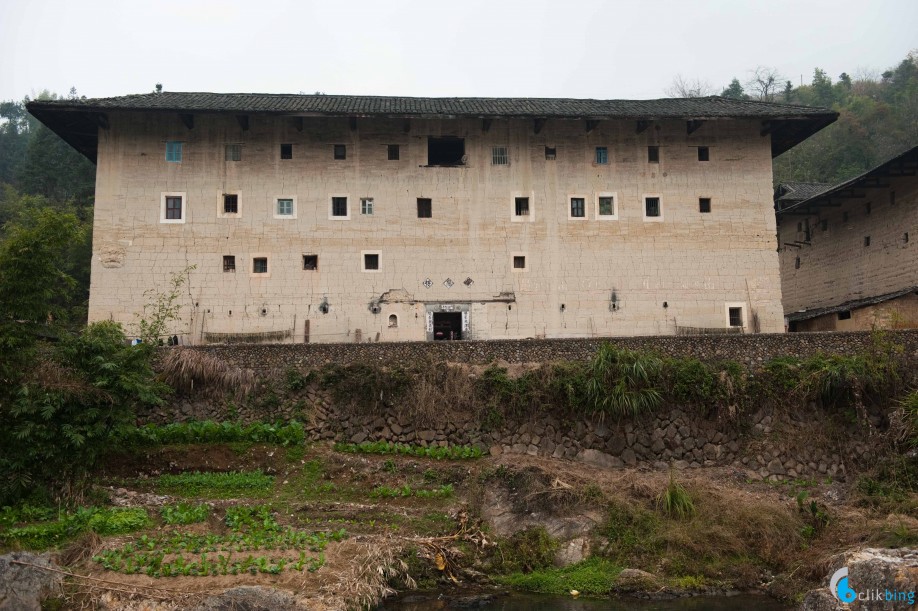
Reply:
x=190, y=371
x=439, y=389
x=376, y=563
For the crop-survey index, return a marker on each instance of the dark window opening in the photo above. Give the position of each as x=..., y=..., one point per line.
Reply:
x=797, y=263
x=868, y=207
x=339, y=206
x=425, y=208
x=606, y=206
x=846, y=315
x=800, y=226
x=286, y=151
x=704, y=154
x=551, y=153
x=519, y=262
x=174, y=208
x=652, y=206
x=233, y=152
x=578, y=207
x=736, y=317
x=522, y=206
x=447, y=326
x=370, y=261
x=905, y=237
x=392, y=152
x=653, y=154
x=602, y=155
x=704, y=204
x=445, y=151
x=824, y=225
x=230, y=203
x=311, y=262
x=866, y=241
x=844, y=217
x=260, y=265
x=340, y=151
x=229, y=263
x=892, y=198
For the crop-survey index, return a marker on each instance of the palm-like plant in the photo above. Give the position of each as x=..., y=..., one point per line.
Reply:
x=622, y=382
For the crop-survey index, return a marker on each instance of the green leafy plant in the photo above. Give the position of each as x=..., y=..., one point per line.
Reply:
x=385, y=447
x=208, y=431
x=184, y=513
x=219, y=485
x=675, y=501
x=623, y=382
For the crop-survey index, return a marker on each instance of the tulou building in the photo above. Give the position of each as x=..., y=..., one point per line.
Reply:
x=322, y=218
x=849, y=261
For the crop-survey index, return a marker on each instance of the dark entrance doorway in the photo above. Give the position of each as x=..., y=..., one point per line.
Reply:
x=447, y=325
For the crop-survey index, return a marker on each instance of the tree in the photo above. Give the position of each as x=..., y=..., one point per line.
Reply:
x=684, y=88
x=734, y=90
x=764, y=83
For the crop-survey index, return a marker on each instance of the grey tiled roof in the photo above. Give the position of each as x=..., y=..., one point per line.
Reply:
x=349, y=105
x=790, y=193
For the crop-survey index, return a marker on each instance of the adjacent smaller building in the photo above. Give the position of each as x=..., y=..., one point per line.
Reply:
x=848, y=255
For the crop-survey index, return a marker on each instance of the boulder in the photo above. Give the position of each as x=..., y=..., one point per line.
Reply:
x=574, y=551
x=600, y=459
x=636, y=580
x=22, y=587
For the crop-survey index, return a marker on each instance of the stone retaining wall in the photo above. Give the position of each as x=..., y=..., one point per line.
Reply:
x=746, y=349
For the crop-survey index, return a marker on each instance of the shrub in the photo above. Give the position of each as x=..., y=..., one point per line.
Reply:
x=623, y=382
x=526, y=551
x=593, y=577
x=675, y=501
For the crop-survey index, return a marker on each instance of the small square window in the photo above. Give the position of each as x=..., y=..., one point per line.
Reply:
x=499, y=155
x=174, y=152
x=311, y=262
x=260, y=265
x=366, y=206
x=797, y=263
x=519, y=262
x=339, y=206
x=704, y=154
x=606, y=206
x=340, y=151
x=653, y=154
x=578, y=207
x=602, y=155
x=370, y=261
x=425, y=208
x=285, y=207
x=173, y=208
x=521, y=207
x=551, y=153
x=230, y=203
x=800, y=226
x=286, y=151
x=905, y=238
x=704, y=204
x=393, y=152
x=736, y=317
x=229, y=263
x=866, y=241
x=845, y=315
x=652, y=207
x=233, y=152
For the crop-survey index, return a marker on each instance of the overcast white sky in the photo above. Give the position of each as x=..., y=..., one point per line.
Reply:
x=536, y=48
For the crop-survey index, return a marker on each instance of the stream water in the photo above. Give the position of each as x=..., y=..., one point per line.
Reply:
x=424, y=601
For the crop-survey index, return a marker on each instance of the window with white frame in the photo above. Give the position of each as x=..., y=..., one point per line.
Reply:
x=519, y=262
x=173, y=207
x=229, y=204
x=735, y=315
x=259, y=265
x=577, y=208
x=606, y=206
x=500, y=155
x=339, y=210
x=366, y=206
x=174, y=151
x=285, y=207
x=522, y=208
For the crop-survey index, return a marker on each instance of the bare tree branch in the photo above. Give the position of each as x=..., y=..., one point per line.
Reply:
x=684, y=88
x=764, y=83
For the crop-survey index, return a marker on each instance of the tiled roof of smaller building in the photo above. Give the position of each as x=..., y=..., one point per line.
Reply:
x=790, y=193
